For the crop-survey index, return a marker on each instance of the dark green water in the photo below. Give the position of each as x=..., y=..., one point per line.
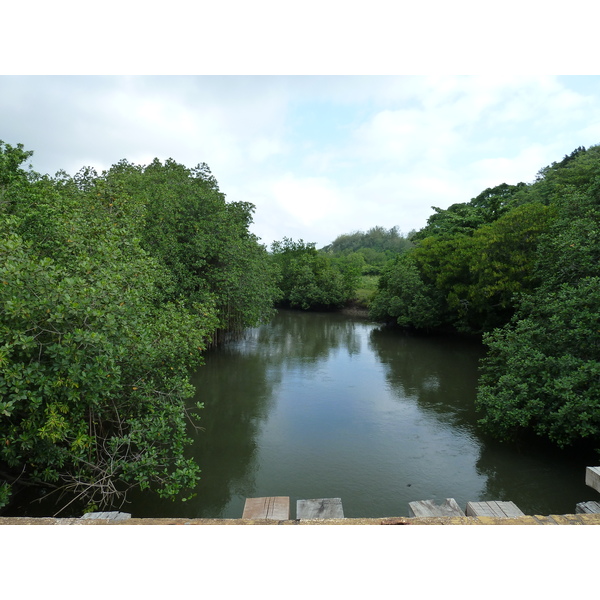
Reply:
x=325, y=405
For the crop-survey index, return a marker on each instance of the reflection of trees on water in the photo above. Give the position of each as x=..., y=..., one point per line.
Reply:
x=439, y=373
x=308, y=337
x=238, y=385
x=237, y=396
x=527, y=473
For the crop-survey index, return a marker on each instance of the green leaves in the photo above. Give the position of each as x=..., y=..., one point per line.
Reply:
x=542, y=371
x=111, y=287
x=308, y=279
x=202, y=241
x=404, y=297
x=520, y=264
x=545, y=364
x=11, y=158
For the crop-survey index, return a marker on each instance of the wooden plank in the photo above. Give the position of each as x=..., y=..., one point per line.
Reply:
x=591, y=507
x=320, y=508
x=273, y=507
x=428, y=508
x=480, y=509
x=592, y=477
x=493, y=509
x=110, y=515
x=510, y=509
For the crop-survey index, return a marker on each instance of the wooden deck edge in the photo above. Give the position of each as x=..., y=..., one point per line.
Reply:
x=574, y=519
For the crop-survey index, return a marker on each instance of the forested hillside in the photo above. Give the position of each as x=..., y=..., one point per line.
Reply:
x=371, y=249
x=521, y=265
x=111, y=287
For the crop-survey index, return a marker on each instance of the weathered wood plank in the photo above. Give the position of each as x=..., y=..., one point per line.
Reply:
x=493, y=508
x=111, y=515
x=508, y=508
x=592, y=477
x=428, y=508
x=591, y=507
x=273, y=507
x=320, y=508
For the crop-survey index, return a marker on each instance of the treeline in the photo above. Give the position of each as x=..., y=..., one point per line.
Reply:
x=111, y=287
x=308, y=279
x=519, y=264
x=330, y=278
x=372, y=249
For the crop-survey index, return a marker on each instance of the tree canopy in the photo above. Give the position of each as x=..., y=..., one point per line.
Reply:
x=371, y=249
x=519, y=264
x=111, y=288
x=307, y=277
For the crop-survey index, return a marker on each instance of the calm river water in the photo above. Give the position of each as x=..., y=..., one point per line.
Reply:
x=329, y=406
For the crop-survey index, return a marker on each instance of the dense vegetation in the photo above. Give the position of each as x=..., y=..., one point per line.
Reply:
x=111, y=286
x=371, y=250
x=343, y=272
x=521, y=266
x=309, y=279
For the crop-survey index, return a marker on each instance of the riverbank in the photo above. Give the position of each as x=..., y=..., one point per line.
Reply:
x=356, y=310
x=583, y=519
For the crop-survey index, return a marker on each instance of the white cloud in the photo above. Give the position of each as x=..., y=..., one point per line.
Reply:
x=308, y=200
x=489, y=172
x=264, y=148
x=318, y=156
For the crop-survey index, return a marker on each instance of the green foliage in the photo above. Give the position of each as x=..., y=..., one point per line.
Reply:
x=11, y=159
x=366, y=290
x=465, y=218
x=570, y=250
x=308, y=279
x=111, y=287
x=373, y=249
x=473, y=260
x=93, y=376
x=542, y=372
x=403, y=297
x=481, y=274
x=577, y=170
x=202, y=240
x=519, y=264
x=5, y=493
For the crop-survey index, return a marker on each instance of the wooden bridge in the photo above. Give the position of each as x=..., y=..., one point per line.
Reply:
x=592, y=478
x=278, y=507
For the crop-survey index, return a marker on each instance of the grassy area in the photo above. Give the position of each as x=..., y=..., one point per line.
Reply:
x=366, y=290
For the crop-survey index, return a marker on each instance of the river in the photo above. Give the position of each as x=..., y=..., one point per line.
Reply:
x=324, y=405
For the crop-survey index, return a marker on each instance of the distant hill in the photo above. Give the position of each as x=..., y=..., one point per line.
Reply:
x=373, y=248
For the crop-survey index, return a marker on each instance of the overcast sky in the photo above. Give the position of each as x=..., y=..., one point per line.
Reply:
x=317, y=155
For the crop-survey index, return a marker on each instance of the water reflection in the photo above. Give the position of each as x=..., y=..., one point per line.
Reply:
x=438, y=372
x=539, y=478
x=236, y=388
x=241, y=385
x=308, y=338
x=323, y=405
